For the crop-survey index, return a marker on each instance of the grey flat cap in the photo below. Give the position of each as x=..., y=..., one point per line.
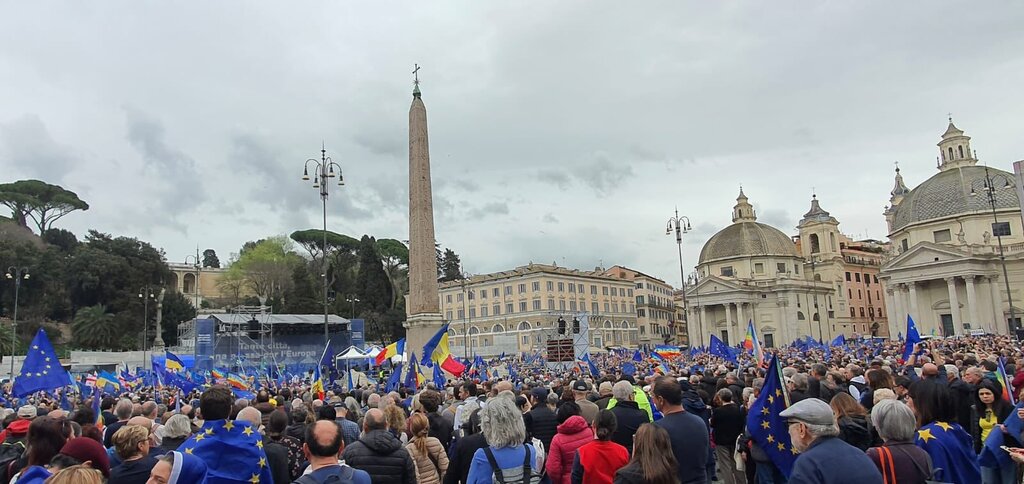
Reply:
x=810, y=411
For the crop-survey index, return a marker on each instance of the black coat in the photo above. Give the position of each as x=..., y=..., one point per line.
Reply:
x=963, y=398
x=541, y=424
x=629, y=418
x=856, y=431
x=277, y=458
x=461, y=457
x=441, y=428
x=631, y=474
x=381, y=455
x=296, y=431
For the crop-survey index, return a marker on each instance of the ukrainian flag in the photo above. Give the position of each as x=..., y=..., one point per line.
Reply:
x=173, y=363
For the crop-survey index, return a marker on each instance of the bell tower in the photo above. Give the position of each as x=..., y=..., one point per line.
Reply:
x=955, y=149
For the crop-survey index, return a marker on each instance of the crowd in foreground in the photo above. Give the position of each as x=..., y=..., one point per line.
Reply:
x=848, y=418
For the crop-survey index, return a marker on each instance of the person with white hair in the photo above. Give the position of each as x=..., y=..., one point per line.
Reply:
x=824, y=457
x=897, y=426
x=503, y=427
x=628, y=415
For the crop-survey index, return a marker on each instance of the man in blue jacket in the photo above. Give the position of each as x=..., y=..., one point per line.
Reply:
x=824, y=457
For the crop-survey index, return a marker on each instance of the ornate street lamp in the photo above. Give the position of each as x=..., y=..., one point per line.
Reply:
x=681, y=225
x=322, y=170
x=18, y=274
x=991, y=185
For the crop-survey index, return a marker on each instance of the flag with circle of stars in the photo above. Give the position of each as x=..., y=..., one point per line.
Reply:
x=767, y=429
x=41, y=369
x=232, y=450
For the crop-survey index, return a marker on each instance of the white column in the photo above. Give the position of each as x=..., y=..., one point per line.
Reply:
x=998, y=318
x=913, y=302
x=954, y=306
x=890, y=309
x=899, y=308
x=703, y=323
x=972, y=302
x=728, y=322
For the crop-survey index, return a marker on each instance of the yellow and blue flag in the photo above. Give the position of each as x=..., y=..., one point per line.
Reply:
x=767, y=427
x=173, y=363
x=41, y=369
x=951, y=450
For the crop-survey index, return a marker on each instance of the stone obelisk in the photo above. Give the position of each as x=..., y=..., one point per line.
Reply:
x=423, y=306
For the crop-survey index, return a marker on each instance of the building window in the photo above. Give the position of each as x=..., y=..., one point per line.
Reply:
x=448, y=298
x=551, y=304
x=615, y=307
x=780, y=267
x=851, y=293
x=536, y=304
x=904, y=245
x=593, y=290
x=561, y=305
x=536, y=286
x=942, y=236
x=800, y=315
x=622, y=292
x=594, y=308
x=496, y=309
x=508, y=290
x=796, y=268
x=856, y=277
x=572, y=305
x=960, y=150
x=640, y=313
x=551, y=286
x=758, y=268
x=510, y=308
x=860, y=295
x=875, y=277
x=448, y=315
x=496, y=292
x=561, y=287
x=862, y=312
x=853, y=313
x=470, y=293
x=815, y=245
x=639, y=299
x=472, y=312
x=522, y=288
x=604, y=290
x=630, y=293
x=867, y=279
x=483, y=311
x=607, y=307
x=461, y=313
x=727, y=271
x=459, y=297
x=847, y=277
x=522, y=306
x=572, y=288
x=483, y=294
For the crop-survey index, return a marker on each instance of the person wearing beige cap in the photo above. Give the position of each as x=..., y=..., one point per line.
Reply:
x=605, y=389
x=824, y=458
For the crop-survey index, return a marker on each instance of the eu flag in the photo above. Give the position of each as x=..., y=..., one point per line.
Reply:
x=395, y=378
x=720, y=349
x=41, y=369
x=232, y=450
x=951, y=450
x=767, y=428
x=913, y=338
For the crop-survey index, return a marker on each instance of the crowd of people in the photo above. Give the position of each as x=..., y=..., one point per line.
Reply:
x=853, y=414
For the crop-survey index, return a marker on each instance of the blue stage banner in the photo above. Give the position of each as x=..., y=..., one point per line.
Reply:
x=358, y=337
x=204, y=348
x=290, y=350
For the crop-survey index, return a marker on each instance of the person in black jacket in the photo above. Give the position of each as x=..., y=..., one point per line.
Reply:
x=727, y=423
x=440, y=427
x=297, y=429
x=460, y=457
x=540, y=421
x=380, y=453
x=628, y=415
x=852, y=420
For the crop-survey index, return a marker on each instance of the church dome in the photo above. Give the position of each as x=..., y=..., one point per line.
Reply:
x=955, y=191
x=746, y=237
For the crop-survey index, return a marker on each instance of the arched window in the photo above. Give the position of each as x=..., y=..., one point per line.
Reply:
x=524, y=326
x=189, y=284
x=817, y=277
x=497, y=328
x=607, y=325
x=815, y=245
x=950, y=152
x=473, y=331
x=960, y=149
x=799, y=315
x=832, y=240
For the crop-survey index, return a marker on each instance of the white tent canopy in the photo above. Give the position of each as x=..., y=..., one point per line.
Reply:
x=374, y=351
x=351, y=353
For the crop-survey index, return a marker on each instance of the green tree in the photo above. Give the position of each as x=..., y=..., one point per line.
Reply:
x=450, y=266
x=232, y=282
x=65, y=240
x=267, y=266
x=372, y=286
x=42, y=202
x=210, y=259
x=302, y=298
x=176, y=310
x=395, y=257
x=94, y=327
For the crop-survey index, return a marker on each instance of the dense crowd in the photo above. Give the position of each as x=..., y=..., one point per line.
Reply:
x=855, y=413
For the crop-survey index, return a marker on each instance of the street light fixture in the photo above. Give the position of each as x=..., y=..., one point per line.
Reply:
x=353, y=299
x=17, y=274
x=999, y=230
x=681, y=225
x=322, y=170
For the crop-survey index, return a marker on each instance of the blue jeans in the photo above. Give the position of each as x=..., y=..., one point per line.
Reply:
x=767, y=473
x=999, y=475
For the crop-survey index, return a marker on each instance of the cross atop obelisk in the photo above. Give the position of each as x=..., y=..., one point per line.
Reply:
x=424, y=313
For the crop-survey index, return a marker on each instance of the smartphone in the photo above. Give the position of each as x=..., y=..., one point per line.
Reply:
x=1009, y=450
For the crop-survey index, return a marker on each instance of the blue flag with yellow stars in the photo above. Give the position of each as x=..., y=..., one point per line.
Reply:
x=767, y=428
x=951, y=450
x=41, y=369
x=232, y=450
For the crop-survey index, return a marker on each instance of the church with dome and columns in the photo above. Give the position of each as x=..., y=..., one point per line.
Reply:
x=818, y=283
x=955, y=261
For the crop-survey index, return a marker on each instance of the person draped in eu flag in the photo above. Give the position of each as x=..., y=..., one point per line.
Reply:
x=232, y=449
x=949, y=446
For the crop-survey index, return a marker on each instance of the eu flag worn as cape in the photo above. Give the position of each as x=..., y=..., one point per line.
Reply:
x=232, y=450
x=41, y=369
x=767, y=428
x=951, y=450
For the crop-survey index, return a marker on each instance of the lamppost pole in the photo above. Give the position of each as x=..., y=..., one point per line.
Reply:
x=990, y=190
x=145, y=293
x=17, y=274
x=353, y=299
x=681, y=225
x=465, y=316
x=322, y=170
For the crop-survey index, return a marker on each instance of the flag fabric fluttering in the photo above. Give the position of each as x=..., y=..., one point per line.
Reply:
x=637, y=356
x=750, y=343
x=436, y=350
x=839, y=340
x=439, y=380
x=412, y=374
x=106, y=379
x=767, y=427
x=592, y=368
x=666, y=351
x=720, y=349
x=396, y=348
x=172, y=362
x=41, y=369
x=395, y=379
x=97, y=395
x=1005, y=381
x=913, y=338
x=232, y=449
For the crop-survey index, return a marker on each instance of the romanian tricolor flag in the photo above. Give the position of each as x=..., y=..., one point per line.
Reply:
x=1005, y=382
x=237, y=381
x=750, y=343
x=318, y=384
x=173, y=363
x=396, y=348
x=437, y=348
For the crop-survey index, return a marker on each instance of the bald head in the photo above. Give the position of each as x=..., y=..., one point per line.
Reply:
x=502, y=386
x=929, y=370
x=140, y=421
x=251, y=415
x=374, y=420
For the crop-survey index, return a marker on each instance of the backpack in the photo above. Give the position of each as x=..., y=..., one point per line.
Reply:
x=344, y=475
x=522, y=475
x=467, y=411
x=10, y=451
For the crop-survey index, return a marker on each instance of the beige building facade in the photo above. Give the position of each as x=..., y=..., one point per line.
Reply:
x=197, y=284
x=518, y=310
x=656, y=312
x=944, y=267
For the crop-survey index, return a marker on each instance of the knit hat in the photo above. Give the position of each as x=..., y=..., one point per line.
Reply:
x=87, y=449
x=28, y=412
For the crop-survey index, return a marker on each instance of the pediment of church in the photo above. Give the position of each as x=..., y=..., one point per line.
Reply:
x=712, y=284
x=924, y=253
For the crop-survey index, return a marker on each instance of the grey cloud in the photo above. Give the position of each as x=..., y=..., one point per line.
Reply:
x=549, y=218
x=467, y=185
x=488, y=209
x=602, y=174
x=557, y=177
x=27, y=147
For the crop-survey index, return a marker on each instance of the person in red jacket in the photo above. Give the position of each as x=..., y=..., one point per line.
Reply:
x=18, y=429
x=573, y=433
x=596, y=462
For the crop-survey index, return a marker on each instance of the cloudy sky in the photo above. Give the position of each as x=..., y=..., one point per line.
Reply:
x=559, y=131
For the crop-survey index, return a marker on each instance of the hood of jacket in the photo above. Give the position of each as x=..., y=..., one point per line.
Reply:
x=381, y=441
x=692, y=402
x=854, y=424
x=573, y=425
x=18, y=427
